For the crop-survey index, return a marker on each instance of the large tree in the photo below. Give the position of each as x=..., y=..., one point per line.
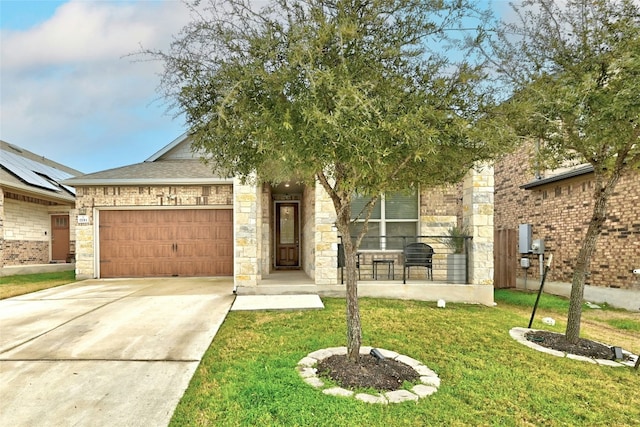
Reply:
x=574, y=69
x=351, y=93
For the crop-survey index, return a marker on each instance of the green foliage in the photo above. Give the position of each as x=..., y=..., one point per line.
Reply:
x=351, y=93
x=455, y=239
x=343, y=89
x=574, y=70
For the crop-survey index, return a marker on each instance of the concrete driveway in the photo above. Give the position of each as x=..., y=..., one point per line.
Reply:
x=106, y=352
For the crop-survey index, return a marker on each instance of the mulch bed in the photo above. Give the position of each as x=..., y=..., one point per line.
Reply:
x=389, y=374
x=583, y=347
x=382, y=375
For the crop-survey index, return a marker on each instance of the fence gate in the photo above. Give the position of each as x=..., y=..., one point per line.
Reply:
x=505, y=259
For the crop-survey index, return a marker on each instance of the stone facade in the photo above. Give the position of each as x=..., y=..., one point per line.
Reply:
x=559, y=213
x=308, y=231
x=325, y=238
x=478, y=200
x=247, y=233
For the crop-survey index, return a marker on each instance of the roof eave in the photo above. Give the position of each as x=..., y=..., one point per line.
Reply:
x=560, y=177
x=41, y=193
x=144, y=182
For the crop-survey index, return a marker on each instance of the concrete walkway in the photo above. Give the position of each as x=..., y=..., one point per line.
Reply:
x=105, y=352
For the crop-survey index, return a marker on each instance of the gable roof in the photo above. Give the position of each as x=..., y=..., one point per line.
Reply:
x=174, y=164
x=28, y=172
x=167, y=148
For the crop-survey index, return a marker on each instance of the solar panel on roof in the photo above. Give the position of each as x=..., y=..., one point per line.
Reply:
x=27, y=170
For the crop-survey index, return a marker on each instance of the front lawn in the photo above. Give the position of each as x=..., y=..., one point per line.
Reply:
x=11, y=286
x=248, y=377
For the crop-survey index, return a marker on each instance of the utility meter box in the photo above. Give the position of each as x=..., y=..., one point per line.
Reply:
x=537, y=246
x=524, y=238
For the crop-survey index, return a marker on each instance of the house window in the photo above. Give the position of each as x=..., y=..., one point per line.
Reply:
x=394, y=217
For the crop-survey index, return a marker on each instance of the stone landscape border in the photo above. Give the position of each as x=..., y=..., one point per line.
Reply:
x=518, y=334
x=430, y=380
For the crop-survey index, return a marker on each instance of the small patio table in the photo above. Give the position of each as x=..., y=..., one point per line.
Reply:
x=390, y=268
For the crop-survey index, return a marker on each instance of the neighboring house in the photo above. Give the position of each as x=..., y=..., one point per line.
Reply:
x=558, y=206
x=34, y=212
x=171, y=216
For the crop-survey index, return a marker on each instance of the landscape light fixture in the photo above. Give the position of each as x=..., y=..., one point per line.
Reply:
x=617, y=353
x=376, y=353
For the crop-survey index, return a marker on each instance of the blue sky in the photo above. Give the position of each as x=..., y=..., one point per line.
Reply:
x=67, y=90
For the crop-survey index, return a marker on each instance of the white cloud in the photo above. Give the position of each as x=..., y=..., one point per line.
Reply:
x=83, y=31
x=69, y=93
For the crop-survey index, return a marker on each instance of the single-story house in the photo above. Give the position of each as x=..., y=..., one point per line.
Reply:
x=557, y=205
x=36, y=234
x=170, y=215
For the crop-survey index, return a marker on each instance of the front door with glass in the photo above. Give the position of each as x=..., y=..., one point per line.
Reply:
x=287, y=231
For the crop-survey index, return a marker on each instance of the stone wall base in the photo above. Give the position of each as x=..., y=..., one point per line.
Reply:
x=24, y=252
x=470, y=294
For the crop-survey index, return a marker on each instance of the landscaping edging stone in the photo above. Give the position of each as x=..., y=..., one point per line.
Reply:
x=430, y=381
x=518, y=334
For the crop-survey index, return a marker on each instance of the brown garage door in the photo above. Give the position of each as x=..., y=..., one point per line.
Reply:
x=160, y=243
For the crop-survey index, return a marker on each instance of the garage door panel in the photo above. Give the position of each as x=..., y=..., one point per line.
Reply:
x=160, y=243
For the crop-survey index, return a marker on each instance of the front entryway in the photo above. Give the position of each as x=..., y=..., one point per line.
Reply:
x=161, y=243
x=287, y=233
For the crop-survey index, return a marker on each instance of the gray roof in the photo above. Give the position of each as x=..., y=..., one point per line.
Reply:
x=159, y=172
x=581, y=170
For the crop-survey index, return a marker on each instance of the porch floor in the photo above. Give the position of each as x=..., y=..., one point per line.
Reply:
x=296, y=282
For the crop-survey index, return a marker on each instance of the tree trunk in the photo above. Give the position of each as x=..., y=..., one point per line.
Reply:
x=602, y=193
x=354, y=327
x=342, y=204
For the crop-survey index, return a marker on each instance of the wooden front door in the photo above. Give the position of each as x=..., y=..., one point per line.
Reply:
x=59, y=237
x=287, y=235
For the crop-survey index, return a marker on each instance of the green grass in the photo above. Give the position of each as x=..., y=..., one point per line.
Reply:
x=11, y=286
x=625, y=324
x=248, y=377
x=528, y=299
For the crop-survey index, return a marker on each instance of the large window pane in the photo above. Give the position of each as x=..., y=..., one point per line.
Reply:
x=401, y=206
x=357, y=205
x=396, y=231
x=371, y=240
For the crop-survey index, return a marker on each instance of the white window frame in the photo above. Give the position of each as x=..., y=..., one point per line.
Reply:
x=383, y=220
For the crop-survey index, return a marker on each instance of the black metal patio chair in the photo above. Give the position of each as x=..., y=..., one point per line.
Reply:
x=417, y=255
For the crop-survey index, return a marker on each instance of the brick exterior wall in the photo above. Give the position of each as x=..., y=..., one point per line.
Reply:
x=88, y=198
x=560, y=212
x=25, y=252
x=161, y=196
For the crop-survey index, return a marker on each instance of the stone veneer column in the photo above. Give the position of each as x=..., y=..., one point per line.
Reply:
x=85, y=247
x=247, y=233
x=326, y=239
x=477, y=214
